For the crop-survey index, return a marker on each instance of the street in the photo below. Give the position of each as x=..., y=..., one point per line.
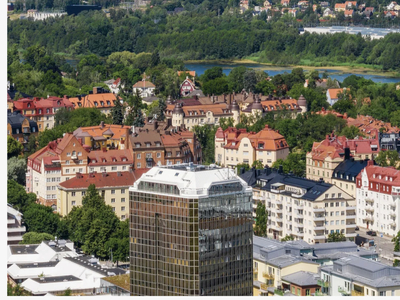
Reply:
x=384, y=245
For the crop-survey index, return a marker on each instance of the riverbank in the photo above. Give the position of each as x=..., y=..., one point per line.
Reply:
x=346, y=69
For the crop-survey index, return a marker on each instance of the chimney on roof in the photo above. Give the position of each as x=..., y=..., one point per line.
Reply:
x=346, y=153
x=78, y=175
x=241, y=170
x=104, y=174
x=102, y=124
x=267, y=170
x=370, y=163
x=95, y=90
x=280, y=170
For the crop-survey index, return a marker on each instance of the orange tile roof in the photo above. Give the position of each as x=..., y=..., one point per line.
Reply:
x=333, y=93
x=191, y=73
x=102, y=100
x=348, y=12
x=98, y=131
x=216, y=109
x=110, y=157
x=143, y=84
x=112, y=179
x=340, y=5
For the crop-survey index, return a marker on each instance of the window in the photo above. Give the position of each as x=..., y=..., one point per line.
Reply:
x=66, y=171
x=307, y=292
x=122, y=208
x=139, y=165
x=112, y=192
x=158, y=154
x=113, y=168
x=73, y=194
x=382, y=293
x=123, y=191
x=337, y=204
x=113, y=209
x=83, y=193
x=112, y=200
x=122, y=199
x=73, y=203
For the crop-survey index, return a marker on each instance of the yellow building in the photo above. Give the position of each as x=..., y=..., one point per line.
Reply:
x=272, y=262
x=113, y=187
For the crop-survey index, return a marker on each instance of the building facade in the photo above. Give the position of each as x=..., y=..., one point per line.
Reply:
x=236, y=146
x=42, y=111
x=190, y=232
x=20, y=127
x=356, y=276
x=304, y=209
x=144, y=88
x=15, y=229
x=99, y=98
x=113, y=187
x=378, y=199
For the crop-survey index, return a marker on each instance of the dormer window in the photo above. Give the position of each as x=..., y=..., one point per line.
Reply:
x=93, y=161
x=102, y=103
x=58, y=103
x=124, y=159
x=40, y=111
x=29, y=105
x=260, y=145
x=137, y=145
x=148, y=145
x=108, y=103
x=103, y=160
x=114, y=159
x=95, y=103
x=80, y=104
x=114, y=101
x=233, y=143
x=48, y=110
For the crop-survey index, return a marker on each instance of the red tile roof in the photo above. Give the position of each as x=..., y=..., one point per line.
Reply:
x=143, y=84
x=380, y=177
x=103, y=180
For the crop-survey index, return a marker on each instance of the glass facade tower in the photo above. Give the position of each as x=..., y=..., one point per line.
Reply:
x=191, y=232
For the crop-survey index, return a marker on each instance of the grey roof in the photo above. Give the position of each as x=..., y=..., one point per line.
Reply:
x=150, y=99
x=56, y=279
x=272, y=176
x=195, y=92
x=349, y=167
x=15, y=119
x=365, y=271
x=55, y=245
x=23, y=249
x=337, y=245
x=48, y=264
x=84, y=261
x=287, y=260
x=302, y=278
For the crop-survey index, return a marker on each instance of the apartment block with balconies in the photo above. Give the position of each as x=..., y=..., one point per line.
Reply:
x=15, y=228
x=356, y=276
x=304, y=209
x=378, y=199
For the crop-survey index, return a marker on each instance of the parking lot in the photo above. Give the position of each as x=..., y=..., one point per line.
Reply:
x=384, y=245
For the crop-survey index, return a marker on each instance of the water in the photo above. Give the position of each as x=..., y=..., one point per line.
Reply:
x=200, y=68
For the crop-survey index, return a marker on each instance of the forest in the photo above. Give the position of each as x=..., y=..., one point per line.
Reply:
x=201, y=34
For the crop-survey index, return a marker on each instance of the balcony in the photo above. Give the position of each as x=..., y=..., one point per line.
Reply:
x=298, y=233
x=317, y=209
x=274, y=227
x=351, y=225
x=350, y=235
x=393, y=224
x=368, y=218
x=299, y=206
x=370, y=208
x=255, y=271
x=319, y=227
x=278, y=219
x=14, y=238
x=16, y=229
x=10, y=221
x=298, y=216
x=265, y=286
x=278, y=201
x=393, y=215
x=319, y=237
x=351, y=217
x=319, y=218
x=357, y=293
x=323, y=283
x=393, y=205
x=268, y=276
x=369, y=200
x=299, y=225
x=343, y=291
x=350, y=207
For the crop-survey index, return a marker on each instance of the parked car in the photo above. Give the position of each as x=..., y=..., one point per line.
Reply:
x=357, y=228
x=372, y=233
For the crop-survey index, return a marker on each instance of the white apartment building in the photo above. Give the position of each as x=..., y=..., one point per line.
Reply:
x=378, y=199
x=15, y=230
x=304, y=209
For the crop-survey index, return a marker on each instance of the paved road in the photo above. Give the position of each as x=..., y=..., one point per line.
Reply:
x=384, y=245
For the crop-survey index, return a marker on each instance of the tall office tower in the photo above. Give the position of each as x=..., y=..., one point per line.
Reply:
x=190, y=232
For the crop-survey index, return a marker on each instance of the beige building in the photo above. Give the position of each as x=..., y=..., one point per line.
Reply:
x=235, y=146
x=326, y=156
x=113, y=187
x=304, y=209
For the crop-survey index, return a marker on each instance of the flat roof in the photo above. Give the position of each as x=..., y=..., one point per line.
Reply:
x=56, y=279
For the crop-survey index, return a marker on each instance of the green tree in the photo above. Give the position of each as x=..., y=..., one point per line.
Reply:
x=387, y=158
x=92, y=224
x=17, y=196
x=67, y=292
x=119, y=243
x=258, y=165
x=249, y=80
x=242, y=165
x=155, y=59
x=264, y=87
x=216, y=86
x=396, y=241
x=206, y=136
x=14, y=148
x=117, y=113
x=336, y=237
x=287, y=238
x=260, y=228
x=35, y=238
x=16, y=169
x=139, y=119
x=41, y=219
x=16, y=290
x=351, y=132
x=235, y=79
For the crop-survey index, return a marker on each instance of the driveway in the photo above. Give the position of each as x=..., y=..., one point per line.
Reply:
x=384, y=245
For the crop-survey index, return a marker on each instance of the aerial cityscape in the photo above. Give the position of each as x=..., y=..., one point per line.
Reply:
x=203, y=148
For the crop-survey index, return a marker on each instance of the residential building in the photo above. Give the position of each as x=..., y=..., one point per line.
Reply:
x=351, y=4
x=99, y=98
x=340, y=7
x=116, y=285
x=325, y=156
x=378, y=199
x=328, y=13
x=112, y=186
x=391, y=5
x=236, y=146
x=349, y=13
x=358, y=276
x=332, y=95
x=304, y=209
x=15, y=228
x=81, y=274
x=42, y=111
x=344, y=175
x=103, y=148
x=301, y=283
x=114, y=85
x=195, y=221
x=144, y=87
x=324, y=4
x=302, y=4
x=20, y=127
x=158, y=143
x=285, y=2
x=267, y=4
x=186, y=87
x=272, y=262
x=389, y=141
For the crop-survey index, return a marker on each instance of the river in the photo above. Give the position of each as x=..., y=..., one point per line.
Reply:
x=200, y=68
